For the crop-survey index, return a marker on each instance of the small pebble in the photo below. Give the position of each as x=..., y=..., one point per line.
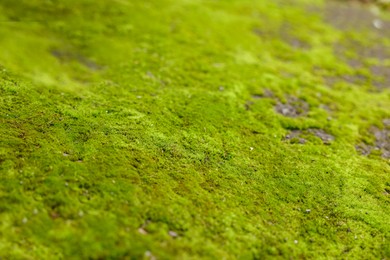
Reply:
x=285, y=111
x=142, y=231
x=173, y=234
x=377, y=23
x=149, y=255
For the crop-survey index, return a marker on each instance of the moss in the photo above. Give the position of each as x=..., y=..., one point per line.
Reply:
x=150, y=129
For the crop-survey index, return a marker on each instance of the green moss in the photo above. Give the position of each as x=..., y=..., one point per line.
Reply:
x=141, y=129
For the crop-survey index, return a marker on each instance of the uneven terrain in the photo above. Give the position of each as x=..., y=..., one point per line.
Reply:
x=194, y=129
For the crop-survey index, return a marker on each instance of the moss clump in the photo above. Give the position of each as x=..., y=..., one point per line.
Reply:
x=156, y=129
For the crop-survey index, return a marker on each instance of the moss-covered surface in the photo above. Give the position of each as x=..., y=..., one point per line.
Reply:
x=174, y=129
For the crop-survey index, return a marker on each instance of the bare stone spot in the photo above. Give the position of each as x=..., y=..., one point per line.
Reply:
x=386, y=154
x=325, y=107
x=386, y=122
x=345, y=50
x=376, y=51
x=286, y=110
x=173, y=234
x=293, y=108
x=150, y=75
x=295, y=135
x=266, y=94
x=363, y=149
x=260, y=33
x=354, y=52
x=349, y=16
x=355, y=79
x=287, y=75
x=330, y=81
x=248, y=105
x=380, y=72
x=382, y=141
x=325, y=137
x=287, y=33
x=384, y=76
x=67, y=56
x=142, y=231
x=298, y=135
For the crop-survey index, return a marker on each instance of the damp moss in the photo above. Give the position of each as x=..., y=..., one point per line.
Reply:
x=150, y=129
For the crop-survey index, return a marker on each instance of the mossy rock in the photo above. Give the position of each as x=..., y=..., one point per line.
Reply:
x=170, y=129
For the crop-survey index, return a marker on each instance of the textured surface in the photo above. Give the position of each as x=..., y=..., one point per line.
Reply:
x=173, y=129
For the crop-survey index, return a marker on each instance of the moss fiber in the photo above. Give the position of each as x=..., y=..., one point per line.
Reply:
x=149, y=130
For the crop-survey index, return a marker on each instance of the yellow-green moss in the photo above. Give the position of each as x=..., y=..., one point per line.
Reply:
x=141, y=129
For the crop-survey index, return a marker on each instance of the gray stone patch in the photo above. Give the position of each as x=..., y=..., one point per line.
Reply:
x=295, y=135
x=300, y=136
x=248, y=104
x=383, y=76
x=382, y=141
x=294, y=107
x=352, y=16
x=380, y=72
x=67, y=56
x=287, y=33
x=266, y=94
x=325, y=137
x=363, y=149
x=330, y=81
